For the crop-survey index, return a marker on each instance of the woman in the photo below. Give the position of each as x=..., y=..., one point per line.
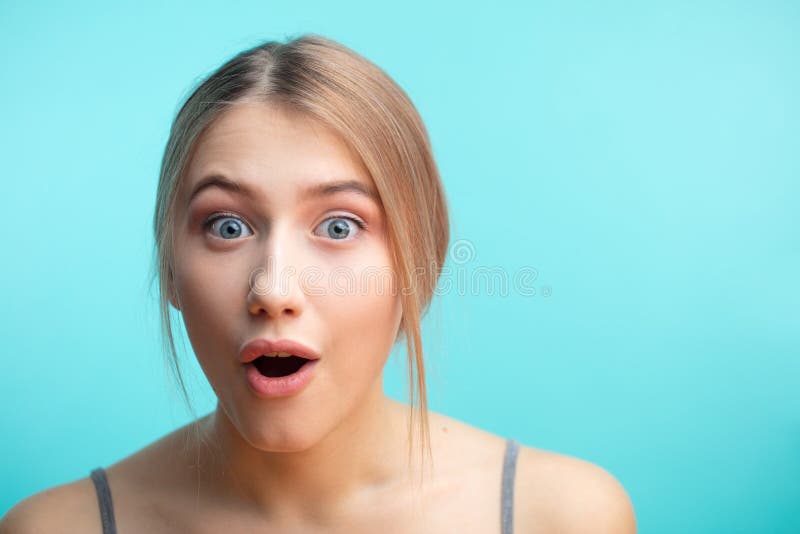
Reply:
x=300, y=228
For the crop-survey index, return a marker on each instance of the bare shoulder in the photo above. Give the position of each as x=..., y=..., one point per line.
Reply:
x=66, y=508
x=140, y=484
x=560, y=493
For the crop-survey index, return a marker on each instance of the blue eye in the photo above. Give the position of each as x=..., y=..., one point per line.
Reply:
x=342, y=227
x=230, y=227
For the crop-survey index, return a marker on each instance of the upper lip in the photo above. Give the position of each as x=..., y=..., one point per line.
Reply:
x=253, y=349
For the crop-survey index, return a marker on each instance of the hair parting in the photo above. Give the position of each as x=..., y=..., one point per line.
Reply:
x=323, y=79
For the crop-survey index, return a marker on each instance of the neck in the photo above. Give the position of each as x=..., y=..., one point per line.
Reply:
x=363, y=456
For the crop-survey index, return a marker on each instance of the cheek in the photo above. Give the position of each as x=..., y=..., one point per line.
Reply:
x=198, y=287
x=204, y=280
x=361, y=309
x=208, y=294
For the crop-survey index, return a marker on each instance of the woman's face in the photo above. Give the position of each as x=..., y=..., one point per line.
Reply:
x=282, y=262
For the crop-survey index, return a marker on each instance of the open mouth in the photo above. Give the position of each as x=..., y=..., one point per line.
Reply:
x=274, y=366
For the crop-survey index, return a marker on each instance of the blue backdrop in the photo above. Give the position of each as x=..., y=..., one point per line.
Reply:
x=639, y=160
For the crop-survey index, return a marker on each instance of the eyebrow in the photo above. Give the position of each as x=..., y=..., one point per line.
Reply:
x=315, y=191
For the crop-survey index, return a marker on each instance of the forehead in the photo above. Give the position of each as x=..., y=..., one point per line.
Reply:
x=263, y=144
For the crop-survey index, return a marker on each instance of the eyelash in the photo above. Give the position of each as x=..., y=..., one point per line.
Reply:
x=214, y=217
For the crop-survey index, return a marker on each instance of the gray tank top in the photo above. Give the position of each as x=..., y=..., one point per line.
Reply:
x=100, y=480
x=507, y=489
x=104, y=500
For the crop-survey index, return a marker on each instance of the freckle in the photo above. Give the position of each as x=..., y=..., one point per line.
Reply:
x=444, y=429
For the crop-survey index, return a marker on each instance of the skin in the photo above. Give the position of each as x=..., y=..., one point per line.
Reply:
x=309, y=454
x=332, y=458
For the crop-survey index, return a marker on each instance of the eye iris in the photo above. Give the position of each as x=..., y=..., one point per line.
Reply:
x=226, y=229
x=339, y=228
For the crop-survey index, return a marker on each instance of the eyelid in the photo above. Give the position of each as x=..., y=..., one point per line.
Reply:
x=358, y=221
x=214, y=217
x=349, y=216
x=220, y=215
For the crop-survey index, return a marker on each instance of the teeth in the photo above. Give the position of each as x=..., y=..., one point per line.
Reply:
x=277, y=354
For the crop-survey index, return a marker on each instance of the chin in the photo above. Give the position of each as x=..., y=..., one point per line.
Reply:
x=281, y=431
x=274, y=440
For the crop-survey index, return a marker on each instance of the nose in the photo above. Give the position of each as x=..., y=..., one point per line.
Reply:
x=274, y=287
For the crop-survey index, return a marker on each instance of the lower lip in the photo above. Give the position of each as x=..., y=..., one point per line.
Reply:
x=270, y=387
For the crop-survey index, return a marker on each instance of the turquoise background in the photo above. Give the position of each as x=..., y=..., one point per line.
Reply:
x=643, y=157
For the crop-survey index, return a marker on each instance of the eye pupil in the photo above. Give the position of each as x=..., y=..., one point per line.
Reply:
x=231, y=227
x=230, y=231
x=339, y=229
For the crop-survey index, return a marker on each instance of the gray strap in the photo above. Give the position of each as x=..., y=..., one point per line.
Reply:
x=507, y=497
x=507, y=500
x=104, y=499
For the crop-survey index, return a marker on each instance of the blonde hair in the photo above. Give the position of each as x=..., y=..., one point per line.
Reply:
x=327, y=81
